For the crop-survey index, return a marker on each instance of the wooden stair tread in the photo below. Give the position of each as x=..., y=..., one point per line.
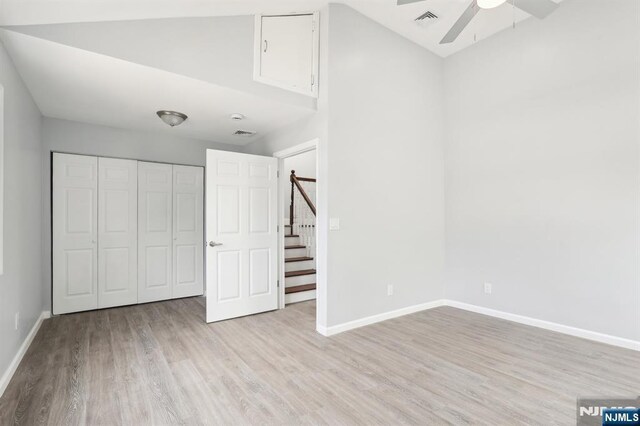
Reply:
x=299, y=273
x=295, y=247
x=299, y=288
x=298, y=259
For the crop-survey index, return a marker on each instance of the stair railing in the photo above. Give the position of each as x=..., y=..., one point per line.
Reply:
x=302, y=211
x=295, y=182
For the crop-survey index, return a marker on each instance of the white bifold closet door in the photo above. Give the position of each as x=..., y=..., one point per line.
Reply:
x=155, y=239
x=75, y=233
x=170, y=231
x=117, y=232
x=188, y=229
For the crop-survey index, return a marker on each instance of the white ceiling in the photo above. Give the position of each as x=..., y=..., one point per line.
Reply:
x=397, y=18
x=84, y=86
x=124, y=63
x=429, y=33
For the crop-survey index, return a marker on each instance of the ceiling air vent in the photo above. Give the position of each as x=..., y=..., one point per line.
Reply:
x=428, y=15
x=244, y=133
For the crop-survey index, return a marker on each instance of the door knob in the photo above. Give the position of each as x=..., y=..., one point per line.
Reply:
x=213, y=244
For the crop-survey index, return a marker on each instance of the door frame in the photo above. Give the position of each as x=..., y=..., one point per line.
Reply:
x=282, y=190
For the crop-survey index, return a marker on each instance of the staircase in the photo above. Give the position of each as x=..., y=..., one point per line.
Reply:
x=299, y=264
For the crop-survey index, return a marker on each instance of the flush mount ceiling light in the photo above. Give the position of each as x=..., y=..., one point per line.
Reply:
x=237, y=116
x=172, y=118
x=490, y=4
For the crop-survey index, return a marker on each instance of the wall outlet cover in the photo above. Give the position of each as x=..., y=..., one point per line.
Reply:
x=334, y=223
x=488, y=288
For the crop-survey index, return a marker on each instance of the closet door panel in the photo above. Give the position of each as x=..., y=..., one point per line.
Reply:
x=74, y=227
x=155, y=236
x=117, y=232
x=188, y=228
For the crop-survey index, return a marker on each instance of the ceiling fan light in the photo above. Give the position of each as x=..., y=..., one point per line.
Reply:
x=490, y=4
x=172, y=118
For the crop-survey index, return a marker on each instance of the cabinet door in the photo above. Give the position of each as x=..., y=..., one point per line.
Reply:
x=188, y=239
x=117, y=232
x=155, y=239
x=74, y=199
x=287, y=52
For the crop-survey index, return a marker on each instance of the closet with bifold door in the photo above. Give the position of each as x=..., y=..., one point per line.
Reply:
x=124, y=232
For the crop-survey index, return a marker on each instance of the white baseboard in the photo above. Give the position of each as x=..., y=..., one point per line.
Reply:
x=547, y=325
x=6, y=377
x=335, y=329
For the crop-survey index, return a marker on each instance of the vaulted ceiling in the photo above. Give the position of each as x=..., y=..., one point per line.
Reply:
x=116, y=62
x=400, y=19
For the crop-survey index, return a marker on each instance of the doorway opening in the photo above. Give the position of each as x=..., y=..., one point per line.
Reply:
x=297, y=214
x=299, y=262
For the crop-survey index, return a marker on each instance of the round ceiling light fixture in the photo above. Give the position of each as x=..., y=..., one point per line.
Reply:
x=490, y=4
x=172, y=118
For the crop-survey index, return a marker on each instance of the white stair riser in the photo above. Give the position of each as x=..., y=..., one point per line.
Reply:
x=295, y=253
x=291, y=241
x=299, y=266
x=299, y=280
x=299, y=297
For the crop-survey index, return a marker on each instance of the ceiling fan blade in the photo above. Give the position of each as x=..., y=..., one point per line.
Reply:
x=462, y=22
x=401, y=2
x=538, y=8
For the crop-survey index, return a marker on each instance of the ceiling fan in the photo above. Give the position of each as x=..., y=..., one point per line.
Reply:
x=538, y=8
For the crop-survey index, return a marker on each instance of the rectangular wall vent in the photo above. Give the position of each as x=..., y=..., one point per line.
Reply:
x=427, y=15
x=244, y=133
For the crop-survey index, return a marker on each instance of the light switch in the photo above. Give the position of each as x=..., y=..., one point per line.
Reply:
x=334, y=223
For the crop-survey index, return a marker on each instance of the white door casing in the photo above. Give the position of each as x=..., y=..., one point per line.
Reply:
x=74, y=227
x=241, y=212
x=155, y=237
x=188, y=244
x=117, y=232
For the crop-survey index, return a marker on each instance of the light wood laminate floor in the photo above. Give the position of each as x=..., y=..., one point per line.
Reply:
x=160, y=363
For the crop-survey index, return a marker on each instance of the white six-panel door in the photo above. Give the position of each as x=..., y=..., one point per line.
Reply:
x=155, y=237
x=188, y=216
x=241, y=257
x=117, y=232
x=75, y=196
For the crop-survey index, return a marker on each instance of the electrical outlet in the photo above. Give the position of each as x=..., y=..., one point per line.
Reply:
x=389, y=290
x=487, y=288
x=17, y=320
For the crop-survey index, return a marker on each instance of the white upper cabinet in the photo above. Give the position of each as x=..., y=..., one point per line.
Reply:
x=286, y=52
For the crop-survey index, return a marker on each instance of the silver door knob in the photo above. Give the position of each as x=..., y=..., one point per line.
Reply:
x=213, y=244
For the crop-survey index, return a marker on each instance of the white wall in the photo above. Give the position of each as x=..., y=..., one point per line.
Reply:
x=304, y=164
x=80, y=138
x=21, y=283
x=542, y=168
x=386, y=181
